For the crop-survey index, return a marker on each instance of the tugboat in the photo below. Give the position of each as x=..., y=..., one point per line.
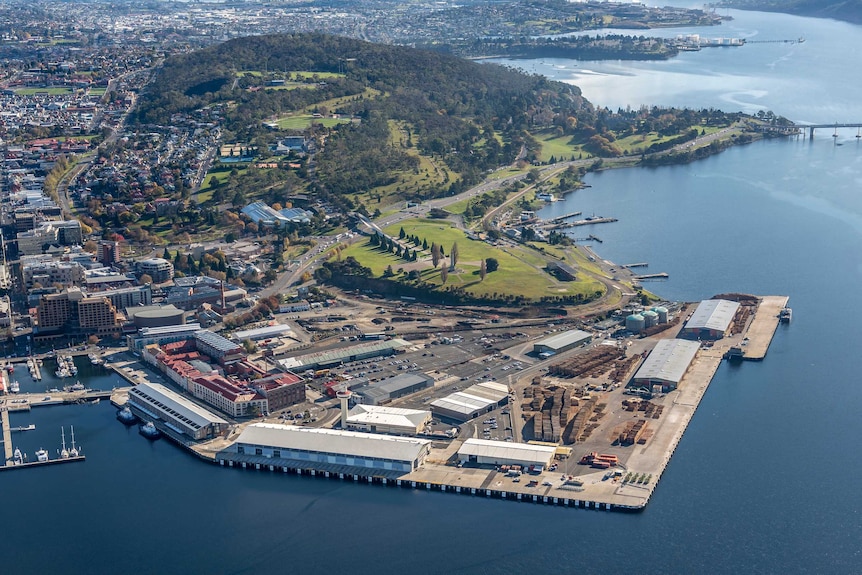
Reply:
x=149, y=431
x=126, y=416
x=78, y=386
x=42, y=456
x=786, y=315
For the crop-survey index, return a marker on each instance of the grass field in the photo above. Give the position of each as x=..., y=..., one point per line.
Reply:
x=302, y=121
x=51, y=91
x=520, y=271
x=559, y=147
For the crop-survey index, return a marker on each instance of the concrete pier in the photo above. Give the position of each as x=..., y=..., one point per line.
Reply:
x=7, y=436
x=763, y=327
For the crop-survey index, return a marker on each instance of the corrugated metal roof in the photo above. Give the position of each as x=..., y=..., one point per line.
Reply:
x=505, y=451
x=197, y=415
x=713, y=314
x=561, y=340
x=462, y=402
x=342, y=354
x=335, y=442
x=668, y=361
x=489, y=390
x=392, y=416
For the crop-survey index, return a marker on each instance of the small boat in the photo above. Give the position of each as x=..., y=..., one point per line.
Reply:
x=17, y=458
x=64, y=454
x=74, y=452
x=42, y=456
x=786, y=315
x=14, y=387
x=78, y=386
x=126, y=416
x=149, y=430
x=10, y=368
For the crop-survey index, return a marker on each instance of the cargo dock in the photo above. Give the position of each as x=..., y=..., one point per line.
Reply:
x=566, y=483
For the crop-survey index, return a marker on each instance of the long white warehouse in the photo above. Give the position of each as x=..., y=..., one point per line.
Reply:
x=666, y=364
x=325, y=447
x=154, y=401
x=504, y=453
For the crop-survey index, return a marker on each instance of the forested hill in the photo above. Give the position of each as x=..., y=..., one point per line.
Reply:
x=846, y=10
x=464, y=117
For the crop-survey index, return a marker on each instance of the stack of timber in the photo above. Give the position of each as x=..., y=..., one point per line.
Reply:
x=593, y=363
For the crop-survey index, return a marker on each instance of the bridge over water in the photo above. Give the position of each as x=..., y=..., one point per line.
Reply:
x=834, y=126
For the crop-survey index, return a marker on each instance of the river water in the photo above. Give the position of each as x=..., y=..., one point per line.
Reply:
x=764, y=480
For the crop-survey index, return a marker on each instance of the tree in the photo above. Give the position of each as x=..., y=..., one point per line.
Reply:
x=388, y=272
x=491, y=264
x=249, y=346
x=435, y=254
x=402, y=234
x=145, y=279
x=93, y=340
x=483, y=270
x=444, y=274
x=167, y=255
x=453, y=255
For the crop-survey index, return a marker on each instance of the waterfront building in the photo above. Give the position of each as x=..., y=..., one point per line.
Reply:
x=318, y=448
x=222, y=350
x=74, y=312
x=155, y=401
x=666, y=364
x=711, y=320
x=562, y=342
x=487, y=452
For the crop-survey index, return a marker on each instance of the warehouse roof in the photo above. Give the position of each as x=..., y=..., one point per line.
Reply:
x=561, y=340
x=713, y=314
x=155, y=397
x=463, y=403
x=489, y=390
x=262, y=332
x=505, y=451
x=392, y=416
x=668, y=361
x=335, y=356
x=349, y=443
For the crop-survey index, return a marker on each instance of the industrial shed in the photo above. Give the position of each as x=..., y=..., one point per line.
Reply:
x=334, y=357
x=384, y=391
x=323, y=448
x=477, y=399
x=666, y=364
x=484, y=451
x=381, y=419
x=157, y=402
x=711, y=319
x=562, y=342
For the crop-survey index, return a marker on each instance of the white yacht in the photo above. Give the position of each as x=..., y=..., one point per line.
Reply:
x=42, y=456
x=74, y=451
x=64, y=453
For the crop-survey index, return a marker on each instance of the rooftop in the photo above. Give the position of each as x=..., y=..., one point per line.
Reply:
x=561, y=340
x=160, y=396
x=713, y=314
x=349, y=443
x=668, y=361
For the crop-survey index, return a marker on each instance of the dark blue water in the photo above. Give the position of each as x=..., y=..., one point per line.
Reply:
x=764, y=480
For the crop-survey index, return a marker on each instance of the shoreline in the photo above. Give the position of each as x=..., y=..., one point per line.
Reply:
x=595, y=491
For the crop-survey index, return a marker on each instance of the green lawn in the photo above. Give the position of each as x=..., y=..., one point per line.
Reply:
x=558, y=146
x=52, y=91
x=303, y=121
x=518, y=273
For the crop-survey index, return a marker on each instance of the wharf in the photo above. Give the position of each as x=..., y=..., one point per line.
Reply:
x=7, y=436
x=763, y=327
x=591, y=488
x=11, y=466
x=24, y=401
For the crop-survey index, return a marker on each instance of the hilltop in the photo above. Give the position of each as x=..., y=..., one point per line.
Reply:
x=845, y=10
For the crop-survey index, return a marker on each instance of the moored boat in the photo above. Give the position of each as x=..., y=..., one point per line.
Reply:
x=149, y=431
x=42, y=455
x=126, y=416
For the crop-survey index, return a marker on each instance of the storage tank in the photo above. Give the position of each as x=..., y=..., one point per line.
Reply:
x=635, y=323
x=662, y=313
x=650, y=318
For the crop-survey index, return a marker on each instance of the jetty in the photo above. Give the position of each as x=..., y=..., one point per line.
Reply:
x=658, y=276
x=590, y=220
x=637, y=265
x=763, y=327
x=26, y=401
x=7, y=435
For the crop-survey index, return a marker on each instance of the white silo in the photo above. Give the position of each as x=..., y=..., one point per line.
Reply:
x=662, y=313
x=635, y=323
x=650, y=318
x=344, y=398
